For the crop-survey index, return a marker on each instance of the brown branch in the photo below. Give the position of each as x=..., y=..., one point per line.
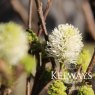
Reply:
x=79, y=69
x=30, y=14
x=89, y=17
x=49, y=3
x=28, y=87
x=41, y=16
x=19, y=8
x=92, y=63
x=28, y=84
x=45, y=89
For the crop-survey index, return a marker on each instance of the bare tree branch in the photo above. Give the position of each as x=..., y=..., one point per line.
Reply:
x=19, y=8
x=92, y=63
x=89, y=17
x=49, y=3
x=30, y=14
x=41, y=16
x=28, y=85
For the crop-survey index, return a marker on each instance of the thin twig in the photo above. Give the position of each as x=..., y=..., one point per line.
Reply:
x=89, y=17
x=28, y=87
x=30, y=15
x=79, y=69
x=28, y=84
x=41, y=16
x=19, y=8
x=92, y=63
x=49, y=3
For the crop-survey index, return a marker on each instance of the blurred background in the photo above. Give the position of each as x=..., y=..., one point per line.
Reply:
x=80, y=13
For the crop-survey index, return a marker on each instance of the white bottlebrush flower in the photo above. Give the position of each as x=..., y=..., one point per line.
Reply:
x=65, y=43
x=13, y=42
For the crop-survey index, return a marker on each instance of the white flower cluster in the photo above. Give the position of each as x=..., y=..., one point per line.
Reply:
x=13, y=43
x=65, y=44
